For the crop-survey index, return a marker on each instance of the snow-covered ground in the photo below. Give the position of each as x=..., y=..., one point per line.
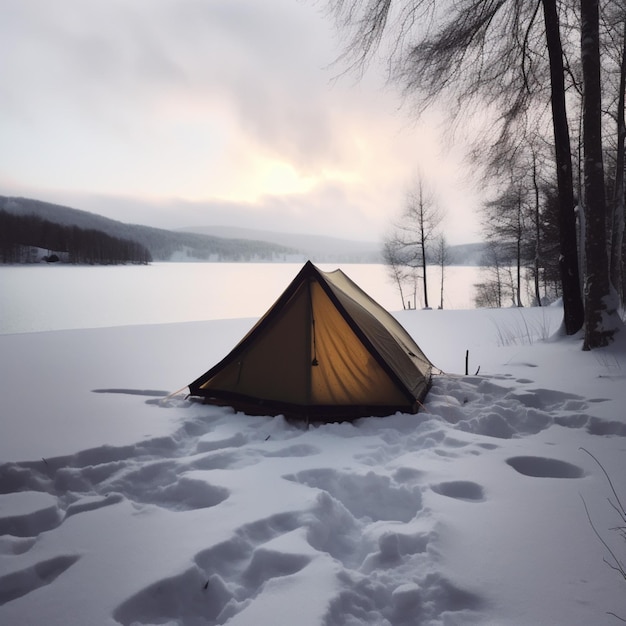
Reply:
x=118, y=509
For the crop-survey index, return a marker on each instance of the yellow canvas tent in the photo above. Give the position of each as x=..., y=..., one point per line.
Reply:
x=324, y=351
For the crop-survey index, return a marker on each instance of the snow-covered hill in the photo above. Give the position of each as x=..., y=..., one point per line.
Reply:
x=164, y=245
x=225, y=243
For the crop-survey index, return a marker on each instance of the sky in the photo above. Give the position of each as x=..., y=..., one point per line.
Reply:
x=197, y=113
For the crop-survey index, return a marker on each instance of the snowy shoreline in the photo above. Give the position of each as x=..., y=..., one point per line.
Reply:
x=115, y=510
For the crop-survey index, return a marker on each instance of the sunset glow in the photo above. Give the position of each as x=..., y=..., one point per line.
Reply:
x=214, y=112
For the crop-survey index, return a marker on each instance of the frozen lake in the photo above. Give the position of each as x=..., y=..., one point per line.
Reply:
x=55, y=297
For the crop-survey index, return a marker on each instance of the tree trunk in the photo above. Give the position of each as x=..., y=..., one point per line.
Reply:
x=423, y=226
x=394, y=268
x=573, y=313
x=537, y=218
x=617, y=235
x=441, y=290
x=424, y=272
x=442, y=266
x=599, y=310
x=520, y=234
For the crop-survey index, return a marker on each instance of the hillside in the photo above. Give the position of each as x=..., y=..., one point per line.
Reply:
x=332, y=249
x=466, y=254
x=223, y=243
x=317, y=248
x=27, y=238
x=163, y=245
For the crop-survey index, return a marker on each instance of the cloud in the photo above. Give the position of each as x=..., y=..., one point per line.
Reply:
x=225, y=106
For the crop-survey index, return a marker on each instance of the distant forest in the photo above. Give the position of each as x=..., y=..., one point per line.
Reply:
x=162, y=245
x=20, y=233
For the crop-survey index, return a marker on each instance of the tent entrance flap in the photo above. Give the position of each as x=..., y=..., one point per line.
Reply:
x=347, y=373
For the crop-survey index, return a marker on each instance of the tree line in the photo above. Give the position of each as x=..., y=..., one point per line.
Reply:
x=77, y=245
x=545, y=82
x=521, y=263
x=163, y=245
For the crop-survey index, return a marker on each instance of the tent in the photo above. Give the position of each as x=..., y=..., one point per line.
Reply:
x=324, y=351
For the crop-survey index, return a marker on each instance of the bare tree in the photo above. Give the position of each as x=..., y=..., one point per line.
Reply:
x=549, y=242
x=617, y=19
x=525, y=169
x=395, y=267
x=491, y=292
x=601, y=319
x=573, y=308
x=505, y=226
x=536, y=221
x=489, y=56
x=411, y=238
x=484, y=53
x=442, y=258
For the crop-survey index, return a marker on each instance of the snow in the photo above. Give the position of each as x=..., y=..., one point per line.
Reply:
x=121, y=506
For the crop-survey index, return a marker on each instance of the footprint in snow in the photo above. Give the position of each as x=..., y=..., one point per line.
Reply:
x=371, y=495
x=223, y=578
x=460, y=490
x=19, y=583
x=28, y=513
x=597, y=426
x=543, y=467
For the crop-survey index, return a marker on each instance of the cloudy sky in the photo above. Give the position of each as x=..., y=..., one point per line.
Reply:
x=197, y=112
